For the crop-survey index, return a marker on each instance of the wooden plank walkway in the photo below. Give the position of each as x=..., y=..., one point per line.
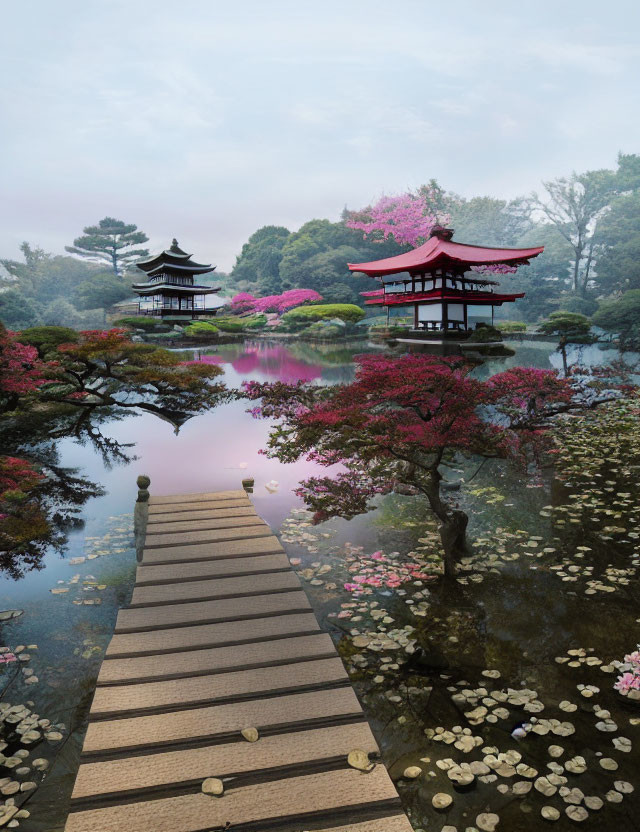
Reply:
x=219, y=636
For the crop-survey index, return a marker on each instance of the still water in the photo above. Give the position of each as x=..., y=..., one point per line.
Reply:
x=510, y=615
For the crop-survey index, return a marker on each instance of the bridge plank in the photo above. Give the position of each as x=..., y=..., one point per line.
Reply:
x=220, y=567
x=283, y=800
x=235, y=521
x=226, y=508
x=207, y=496
x=231, y=759
x=212, y=635
x=215, y=721
x=216, y=659
x=209, y=612
x=237, y=531
x=204, y=690
x=266, y=545
x=221, y=587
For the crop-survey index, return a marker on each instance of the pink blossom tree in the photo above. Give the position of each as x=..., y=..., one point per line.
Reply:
x=408, y=218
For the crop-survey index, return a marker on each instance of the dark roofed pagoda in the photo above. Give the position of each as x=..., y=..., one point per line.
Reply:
x=170, y=289
x=435, y=279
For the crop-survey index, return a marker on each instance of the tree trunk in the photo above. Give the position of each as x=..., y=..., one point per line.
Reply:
x=453, y=525
x=453, y=534
x=563, y=350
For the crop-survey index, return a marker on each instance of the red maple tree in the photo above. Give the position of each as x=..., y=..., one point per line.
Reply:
x=398, y=422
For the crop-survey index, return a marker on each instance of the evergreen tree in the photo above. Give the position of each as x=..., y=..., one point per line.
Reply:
x=111, y=240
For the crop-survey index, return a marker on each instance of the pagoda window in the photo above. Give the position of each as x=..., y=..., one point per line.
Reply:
x=430, y=313
x=438, y=283
x=455, y=312
x=478, y=314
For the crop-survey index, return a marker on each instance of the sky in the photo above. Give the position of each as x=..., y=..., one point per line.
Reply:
x=205, y=120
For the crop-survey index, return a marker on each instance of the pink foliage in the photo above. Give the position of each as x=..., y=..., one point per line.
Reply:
x=406, y=217
x=244, y=302
x=629, y=680
x=498, y=268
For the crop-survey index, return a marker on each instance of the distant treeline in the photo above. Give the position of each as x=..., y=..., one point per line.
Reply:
x=589, y=224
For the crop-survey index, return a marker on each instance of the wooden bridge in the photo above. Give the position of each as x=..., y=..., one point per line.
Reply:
x=219, y=637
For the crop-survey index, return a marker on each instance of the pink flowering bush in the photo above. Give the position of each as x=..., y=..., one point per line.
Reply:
x=245, y=302
x=628, y=683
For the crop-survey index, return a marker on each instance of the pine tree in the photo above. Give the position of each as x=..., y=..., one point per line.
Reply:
x=111, y=240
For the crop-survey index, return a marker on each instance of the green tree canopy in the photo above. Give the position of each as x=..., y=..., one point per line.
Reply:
x=621, y=317
x=111, y=241
x=574, y=205
x=618, y=264
x=103, y=290
x=258, y=264
x=16, y=311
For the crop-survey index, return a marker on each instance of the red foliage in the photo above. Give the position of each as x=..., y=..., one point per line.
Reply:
x=21, y=371
x=395, y=424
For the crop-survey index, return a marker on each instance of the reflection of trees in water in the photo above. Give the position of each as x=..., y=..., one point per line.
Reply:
x=288, y=362
x=59, y=498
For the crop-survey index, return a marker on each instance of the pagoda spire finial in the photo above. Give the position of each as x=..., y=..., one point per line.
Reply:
x=174, y=245
x=441, y=232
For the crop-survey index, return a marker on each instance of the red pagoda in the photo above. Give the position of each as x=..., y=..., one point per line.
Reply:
x=434, y=278
x=169, y=290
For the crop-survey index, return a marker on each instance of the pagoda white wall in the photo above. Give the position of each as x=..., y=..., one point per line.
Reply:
x=455, y=312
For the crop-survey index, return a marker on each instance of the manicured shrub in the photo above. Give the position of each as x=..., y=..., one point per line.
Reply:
x=511, y=326
x=201, y=329
x=140, y=322
x=345, y=311
x=484, y=334
x=47, y=339
x=228, y=324
x=255, y=322
x=173, y=335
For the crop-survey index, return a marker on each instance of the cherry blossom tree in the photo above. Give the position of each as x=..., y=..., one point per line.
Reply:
x=408, y=218
x=398, y=423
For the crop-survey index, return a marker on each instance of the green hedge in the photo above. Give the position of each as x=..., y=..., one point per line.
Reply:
x=345, y=311
x=141, y=322
x=167, y=336
x=46, y=339
x=511, y=326
x=235, y=323
x=201, y=329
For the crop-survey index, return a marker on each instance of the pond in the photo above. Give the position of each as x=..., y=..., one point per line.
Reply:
x=521, y=638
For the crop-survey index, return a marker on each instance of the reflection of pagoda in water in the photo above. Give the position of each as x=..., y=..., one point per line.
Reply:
x=434, y=280
x=170, y=290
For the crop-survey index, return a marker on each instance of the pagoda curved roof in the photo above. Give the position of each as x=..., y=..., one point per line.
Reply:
x=175, y=259
x=440, y=252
